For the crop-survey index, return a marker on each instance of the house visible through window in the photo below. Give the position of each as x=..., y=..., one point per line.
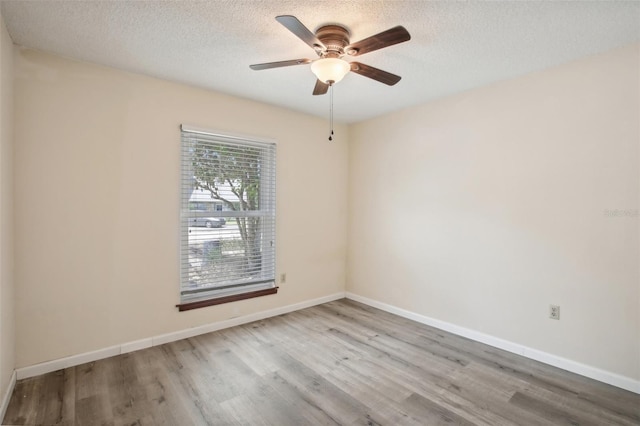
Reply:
x=227, y=251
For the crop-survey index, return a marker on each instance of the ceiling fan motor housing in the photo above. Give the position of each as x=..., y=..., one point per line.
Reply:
x=335, y=38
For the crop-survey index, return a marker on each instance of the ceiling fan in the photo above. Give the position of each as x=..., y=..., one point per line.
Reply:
x=331, y=43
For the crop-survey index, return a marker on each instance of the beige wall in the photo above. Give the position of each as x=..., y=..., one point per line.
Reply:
x=479, y=210
x=97, y=204
x=484, y=208
x=7, y=330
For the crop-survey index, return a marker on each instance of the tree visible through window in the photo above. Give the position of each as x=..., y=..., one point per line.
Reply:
x=228, y=242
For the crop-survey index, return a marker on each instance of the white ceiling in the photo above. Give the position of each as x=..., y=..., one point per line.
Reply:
x=455, y=46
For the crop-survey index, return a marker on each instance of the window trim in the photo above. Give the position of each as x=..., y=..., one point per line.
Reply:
x=187, y=306
x=240, y=291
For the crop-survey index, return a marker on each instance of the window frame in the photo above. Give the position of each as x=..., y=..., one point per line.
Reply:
x=208, y=296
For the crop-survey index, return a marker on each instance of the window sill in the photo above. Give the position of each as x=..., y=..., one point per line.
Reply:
x=226, y=299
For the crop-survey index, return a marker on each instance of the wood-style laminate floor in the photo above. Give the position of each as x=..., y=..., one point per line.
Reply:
x=338, y=363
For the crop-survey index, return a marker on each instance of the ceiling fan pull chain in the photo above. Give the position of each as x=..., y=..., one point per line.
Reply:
x=330, y=112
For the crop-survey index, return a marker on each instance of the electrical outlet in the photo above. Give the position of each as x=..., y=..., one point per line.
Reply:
x=283, y=278
x=554, y=312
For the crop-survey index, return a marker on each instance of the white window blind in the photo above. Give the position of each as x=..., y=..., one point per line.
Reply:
x=228, y=215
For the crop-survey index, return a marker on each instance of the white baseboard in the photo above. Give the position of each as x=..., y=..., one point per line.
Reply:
x=547, y=358
x=7, y=395
x=71, y=361
x=604, y=376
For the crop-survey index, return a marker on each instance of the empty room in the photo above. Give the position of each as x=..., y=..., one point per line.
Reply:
x=292, y=212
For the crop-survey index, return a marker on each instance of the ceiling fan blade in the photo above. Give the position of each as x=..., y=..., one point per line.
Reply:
x=321, y=88
x=295, y=26
x=387, y=38
x=268, y=65
x=375, y=73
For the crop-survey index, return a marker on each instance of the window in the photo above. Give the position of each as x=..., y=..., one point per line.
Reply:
x=227, y=251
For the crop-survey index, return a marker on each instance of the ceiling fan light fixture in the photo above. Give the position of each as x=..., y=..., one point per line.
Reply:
x=330, y=70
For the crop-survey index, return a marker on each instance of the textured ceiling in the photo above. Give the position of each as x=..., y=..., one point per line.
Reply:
x=455, y=46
